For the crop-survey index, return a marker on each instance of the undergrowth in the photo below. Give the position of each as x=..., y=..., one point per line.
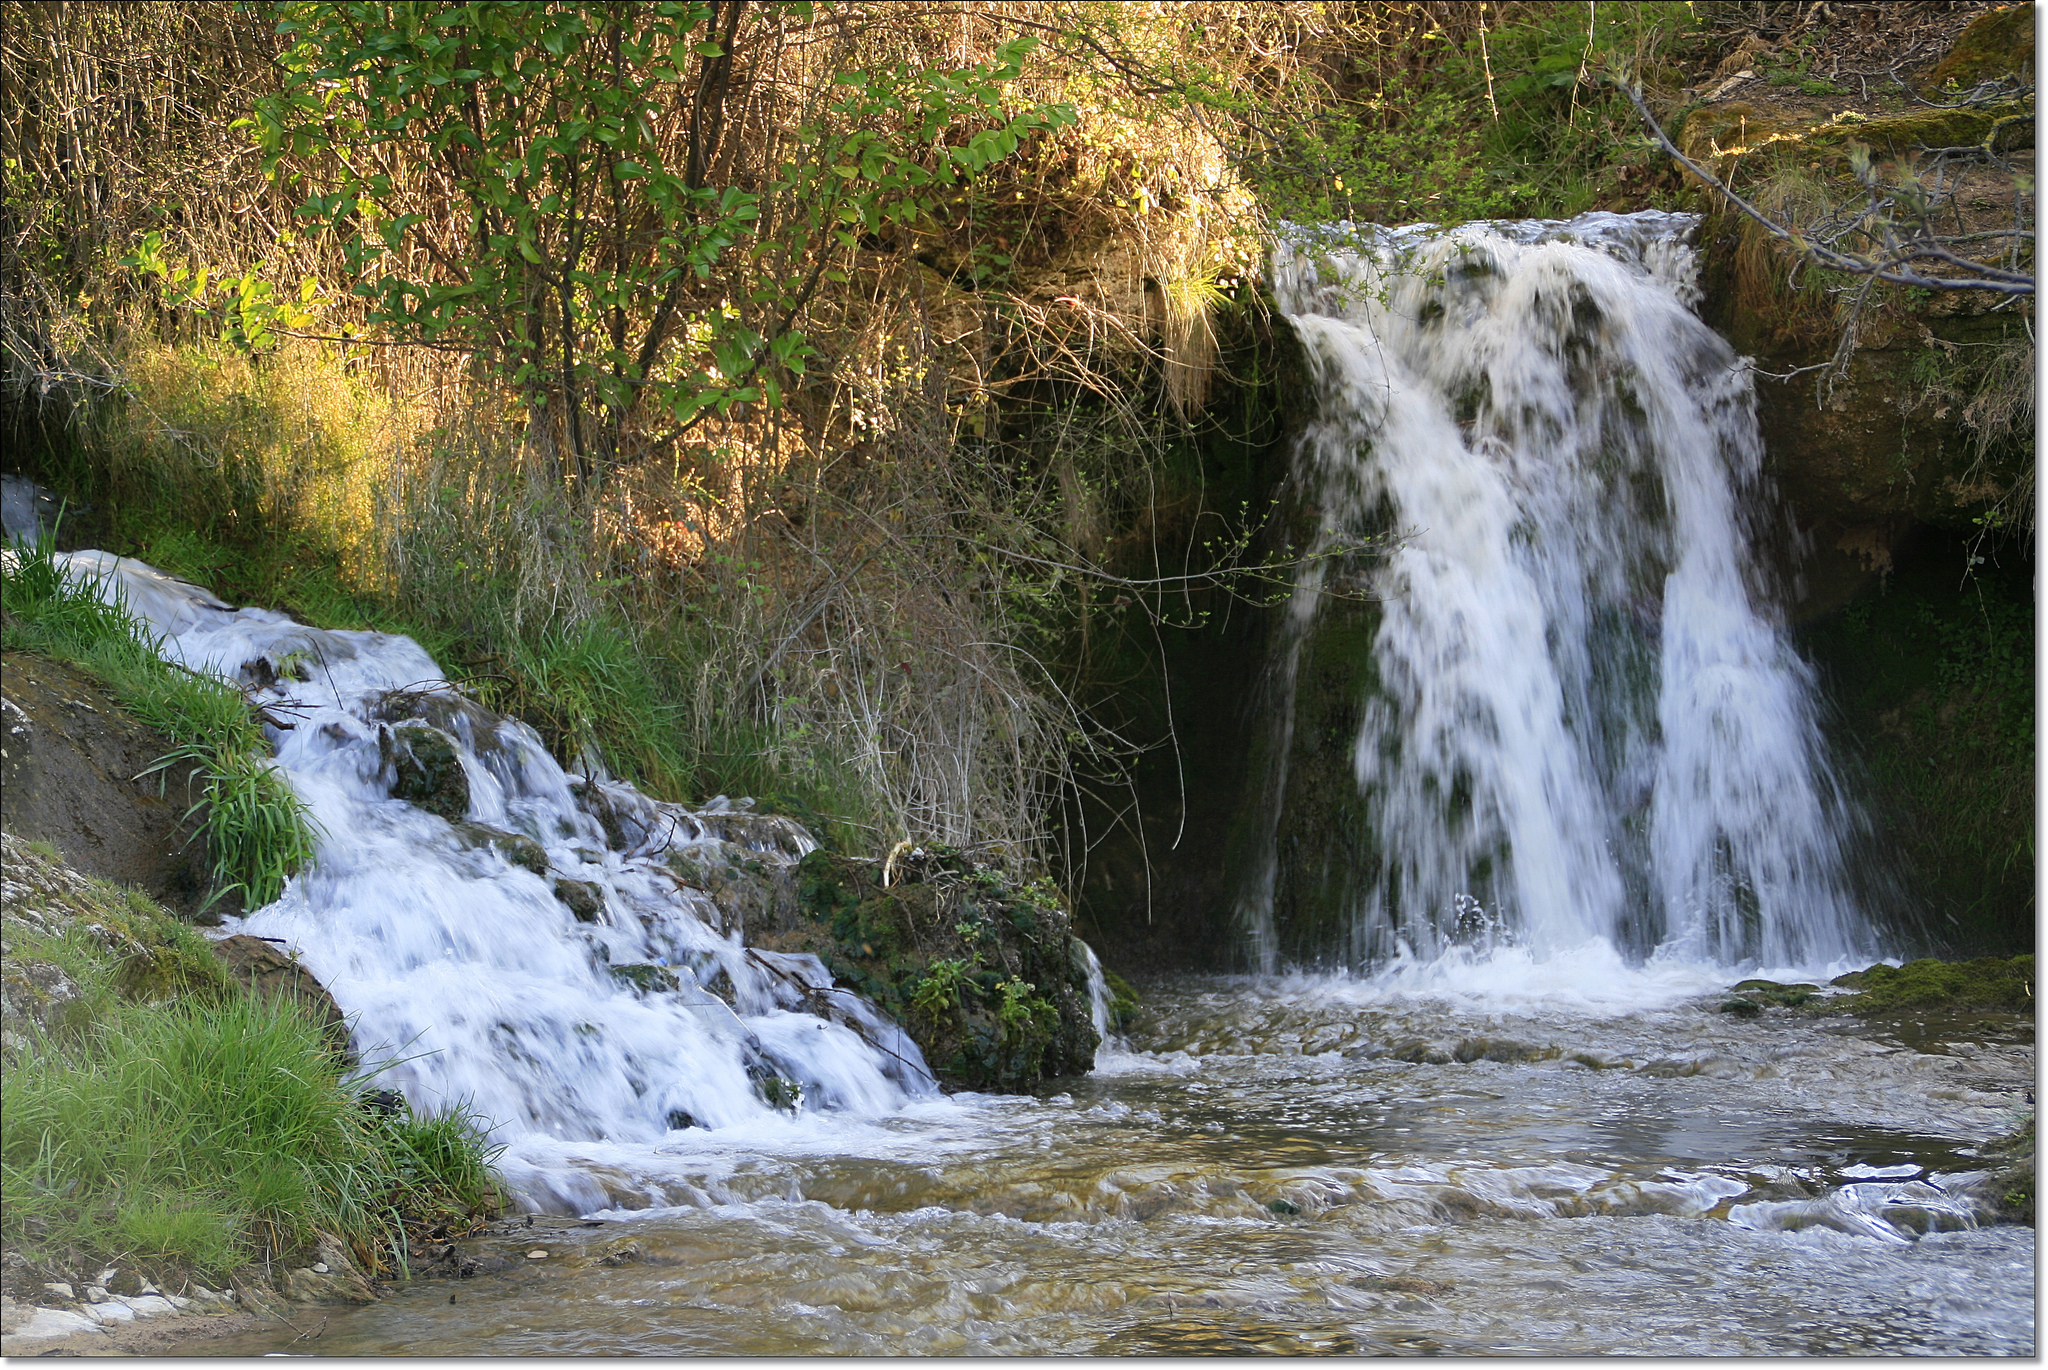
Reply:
x=255, y=828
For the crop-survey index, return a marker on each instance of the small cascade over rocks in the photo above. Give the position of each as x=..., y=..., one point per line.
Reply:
x=560, y=953
x=1573, y=714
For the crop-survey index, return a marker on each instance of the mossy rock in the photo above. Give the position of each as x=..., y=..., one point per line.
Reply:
x=426, y=769
x=1999, y=43
x=648, y=979
x=1986, y=984
x=517, y=848
x=1758, y=995
x=979, y=969
x=583, y=899
x=72, y=940
x=2013, y=1176
x=756, y=894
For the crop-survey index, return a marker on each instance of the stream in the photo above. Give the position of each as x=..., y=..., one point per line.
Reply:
x=1485, y=1160
x=1570, y=789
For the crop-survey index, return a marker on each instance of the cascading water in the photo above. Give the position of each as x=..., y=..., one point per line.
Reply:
x=587, y=1029
x=1581, y=719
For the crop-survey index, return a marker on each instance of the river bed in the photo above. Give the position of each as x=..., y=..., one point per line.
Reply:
x=1489, y=1160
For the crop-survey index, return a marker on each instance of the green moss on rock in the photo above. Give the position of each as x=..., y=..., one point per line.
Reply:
x=1985, y=984
x=427, y=769
x=978, y=969
x=1999, y=43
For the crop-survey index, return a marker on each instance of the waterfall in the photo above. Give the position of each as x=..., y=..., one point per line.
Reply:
x=530, y=944
x=1573, y=714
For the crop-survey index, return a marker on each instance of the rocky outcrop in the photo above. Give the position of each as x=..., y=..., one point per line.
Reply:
x=1920, y=425
x=44, y=986
x=984, y=974
x=79, y=773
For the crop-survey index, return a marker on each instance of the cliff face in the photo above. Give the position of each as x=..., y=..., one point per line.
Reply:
x=1906, y=473
x=1885, y=410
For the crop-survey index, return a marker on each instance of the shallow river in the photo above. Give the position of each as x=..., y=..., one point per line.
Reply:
x=1482, y=1162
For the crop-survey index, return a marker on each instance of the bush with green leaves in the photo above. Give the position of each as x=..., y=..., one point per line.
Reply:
x=569, y=191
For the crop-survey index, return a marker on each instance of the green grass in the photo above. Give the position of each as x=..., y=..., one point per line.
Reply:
x=203, y=1135
x=163, y=1116
x=256, y=830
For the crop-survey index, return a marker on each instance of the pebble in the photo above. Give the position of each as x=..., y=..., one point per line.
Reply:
x=536, y=1255
x=319, y=1267
x=62, y=1291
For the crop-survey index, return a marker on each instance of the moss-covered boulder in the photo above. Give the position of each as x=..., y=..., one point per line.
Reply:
x=583, y=898
x=753, y=889
x=426, y=769
x=979, y=969
x=1986, y=984
x=1997, y=43
x=1749, y=998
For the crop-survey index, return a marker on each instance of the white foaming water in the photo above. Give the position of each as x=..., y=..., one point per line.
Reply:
x=469, y=975
x=1589, y=729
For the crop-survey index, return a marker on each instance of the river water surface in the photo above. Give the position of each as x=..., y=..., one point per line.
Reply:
x=1496, y=1159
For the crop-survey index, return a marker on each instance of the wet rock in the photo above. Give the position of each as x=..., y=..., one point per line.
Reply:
x=1740, y=1008
x=1421, y=1053
x=621, y=1253
x=1772, y=994
x=594, y=799
x=426, y=768
x=1503, y=1050
x=442, y=709
x=648, y=979
x=517, y=848
x=1405, y=1284
x=264, y=969
x=754, y=893
x=764, y=834
x=383, y=1103
x=582, y=898
x=2012, y=1179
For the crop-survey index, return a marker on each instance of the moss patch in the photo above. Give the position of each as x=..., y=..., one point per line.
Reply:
x=2013, y=1179
x=1997, y=44
x=981, y=971
x=1986, y=983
